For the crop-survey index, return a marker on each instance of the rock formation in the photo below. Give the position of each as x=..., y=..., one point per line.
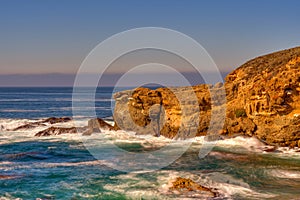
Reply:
x=51, y=120
x=56, y=131
x=93, y=126
x=266, y=89
x=262, y=100
x=159, y=112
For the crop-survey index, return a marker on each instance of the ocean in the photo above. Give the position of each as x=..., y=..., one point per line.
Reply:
x=63, y=166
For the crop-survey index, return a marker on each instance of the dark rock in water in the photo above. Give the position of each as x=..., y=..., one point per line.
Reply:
x=93, y=123
x=185, y=185
x=54, y=120
x=262, y=99
x=51, y=120
x=26, y=126
x=270, y=149
x=94, y=126
x=56, y=131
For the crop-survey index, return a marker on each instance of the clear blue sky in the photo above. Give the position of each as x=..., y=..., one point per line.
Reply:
x=48, y=36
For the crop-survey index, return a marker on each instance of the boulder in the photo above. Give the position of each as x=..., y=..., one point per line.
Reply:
x=185, y=185
x=94, y=126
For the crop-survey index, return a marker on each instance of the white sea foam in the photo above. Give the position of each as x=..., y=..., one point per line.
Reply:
x=133, y=184
x=226, y=186
x=8, y=124
x=288, y=174
x=135, y=187
x=233, y=144
x=250, y=143
x=121, y=136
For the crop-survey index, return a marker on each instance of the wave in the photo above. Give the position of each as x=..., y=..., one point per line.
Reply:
x=8, y=124
x=239, y=144
x=145, y=185
x=11, y=124
x=287, y=174
x=225, y=186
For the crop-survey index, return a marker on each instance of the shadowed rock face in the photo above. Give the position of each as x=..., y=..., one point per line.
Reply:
x=262, y=100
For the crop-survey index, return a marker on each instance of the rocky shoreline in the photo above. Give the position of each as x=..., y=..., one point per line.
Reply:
x=262, y=100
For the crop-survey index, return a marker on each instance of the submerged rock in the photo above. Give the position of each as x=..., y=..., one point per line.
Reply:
x=262, y=99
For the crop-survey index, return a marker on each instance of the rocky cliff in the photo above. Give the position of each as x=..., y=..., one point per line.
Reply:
x=262, y=100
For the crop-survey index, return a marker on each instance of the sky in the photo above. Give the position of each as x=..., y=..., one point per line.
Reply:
x=43, y=43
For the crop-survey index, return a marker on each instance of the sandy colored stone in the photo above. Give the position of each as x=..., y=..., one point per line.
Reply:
x=183, y=185
x=262, y=100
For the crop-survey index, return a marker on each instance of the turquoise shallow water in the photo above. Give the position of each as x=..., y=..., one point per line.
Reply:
x=61, y=167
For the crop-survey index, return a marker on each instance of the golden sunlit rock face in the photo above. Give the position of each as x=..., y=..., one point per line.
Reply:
x=262, y=100
x=267, y=88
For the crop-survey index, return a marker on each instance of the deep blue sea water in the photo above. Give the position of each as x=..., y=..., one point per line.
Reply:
x=49, y=102
x=63, y=167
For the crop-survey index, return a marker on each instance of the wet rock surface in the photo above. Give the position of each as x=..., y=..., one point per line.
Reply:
x=51, y=120
x=56, y=131
x=94, y=126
